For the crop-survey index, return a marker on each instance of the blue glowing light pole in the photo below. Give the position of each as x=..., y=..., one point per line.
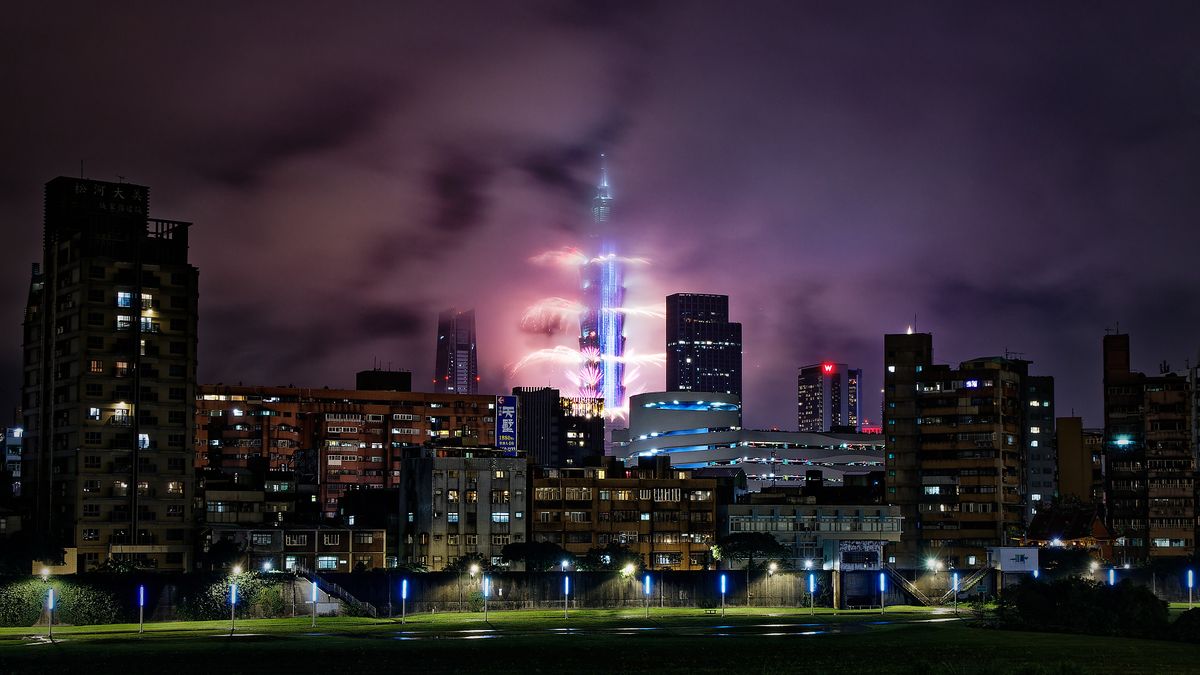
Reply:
x=232, y=606
x=812, y=593
x=566, y=593
x=646, y=592
x=722, y=595
x=487, y=591
x=141, y=608
x=1191, y=584
x=566, y=588
x=50, y=610
x=955, y=582
x=314, y=603
x=1037, y=573
x=404, y=601
x=882, y=588
x=1112, y=576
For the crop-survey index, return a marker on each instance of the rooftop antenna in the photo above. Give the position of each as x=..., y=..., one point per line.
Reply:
x=120, y=178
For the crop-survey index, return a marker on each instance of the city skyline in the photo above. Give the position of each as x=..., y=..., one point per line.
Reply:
x=1013, y=211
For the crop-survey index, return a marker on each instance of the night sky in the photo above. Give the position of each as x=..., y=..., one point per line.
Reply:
x=1017, y=177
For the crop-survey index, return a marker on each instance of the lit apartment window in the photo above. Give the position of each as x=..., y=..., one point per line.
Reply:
x=124, y=299
x=93, y=413
x=499, y=473
x=175, y=487
x=327, y=562
x=96, y=367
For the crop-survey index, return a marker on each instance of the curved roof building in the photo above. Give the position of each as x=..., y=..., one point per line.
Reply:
x=697, y=429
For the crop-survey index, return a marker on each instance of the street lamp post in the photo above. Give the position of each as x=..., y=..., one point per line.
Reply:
x=314, y=603
x=956, y=592
x=473, y=570
x=237, y=569
x=646, y=590
x=487, y=590
x=50, y=611
x=812, y=593
x=403, y=600
x=722, y=596
x=882, y=588
x=566, y=587
x=1112, y=576
x=141, y=608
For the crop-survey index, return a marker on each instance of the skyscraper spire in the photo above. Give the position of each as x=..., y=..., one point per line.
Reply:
x=602, y=202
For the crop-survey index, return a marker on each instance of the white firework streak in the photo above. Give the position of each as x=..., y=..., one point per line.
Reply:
x=569, y=256
x=556, y=311
x=573, y=357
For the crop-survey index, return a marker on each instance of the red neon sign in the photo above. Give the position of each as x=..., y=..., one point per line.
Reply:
x=828, y=367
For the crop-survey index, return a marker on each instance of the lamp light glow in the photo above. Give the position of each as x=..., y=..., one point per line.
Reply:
x=404, y=589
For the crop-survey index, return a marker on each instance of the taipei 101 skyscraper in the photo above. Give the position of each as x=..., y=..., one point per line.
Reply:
x=602, y=323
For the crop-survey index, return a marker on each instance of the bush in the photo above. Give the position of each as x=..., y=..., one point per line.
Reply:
x=78, y=602
x=207, y=597
x=1187, y=627
x=1082, y=606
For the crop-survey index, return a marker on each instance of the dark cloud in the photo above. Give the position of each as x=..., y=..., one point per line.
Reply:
x=459, y=186
x=1018, y=176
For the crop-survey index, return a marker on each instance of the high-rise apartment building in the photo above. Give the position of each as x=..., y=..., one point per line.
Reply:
x=704, y=348
x=109, y=379
x=1150, y=458
x=457, y=367
x=956, y=445
x=1040, y=456
x=556, y=430
x=827, y=396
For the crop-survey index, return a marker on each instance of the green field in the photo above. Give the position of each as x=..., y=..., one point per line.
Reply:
x=601, y=641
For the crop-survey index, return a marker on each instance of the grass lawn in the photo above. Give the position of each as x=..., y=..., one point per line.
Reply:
x=683, y=641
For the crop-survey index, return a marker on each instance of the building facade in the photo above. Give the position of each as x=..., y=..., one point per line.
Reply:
x=827, y=396
x=461, y=501
x=457, y=368
x=704, y=348
x=666, y=516
x=829, y=536
x=1040, y=450
x=334, y=440
x=109, y=379
x=1150, y=458
x=698, y=430
x=313, y=549
x=956, y=447
x=556, y=430
x=13, y=442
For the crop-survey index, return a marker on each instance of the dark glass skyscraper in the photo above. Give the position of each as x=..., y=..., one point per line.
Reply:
x=704, y=349
x=827, y=398
x=457, y=367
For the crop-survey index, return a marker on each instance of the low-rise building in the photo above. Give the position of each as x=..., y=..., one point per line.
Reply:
x=320, y=549
x=665, y=515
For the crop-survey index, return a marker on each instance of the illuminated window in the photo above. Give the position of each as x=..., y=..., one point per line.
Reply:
x=124, y=299
x=933, y=489
x=891, y=369
x=1035, y=430
x=93, y=413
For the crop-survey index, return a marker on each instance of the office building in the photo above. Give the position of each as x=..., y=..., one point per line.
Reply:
x=665, y=515
x=1150, y=466
x=956, y=442
x=827, y=396
x=329, y=441
x=559, y=431
x=294, y=548
x=457, y=367
x=461, y=501
x=109, y=380
x=704, y=349
x=698, y=430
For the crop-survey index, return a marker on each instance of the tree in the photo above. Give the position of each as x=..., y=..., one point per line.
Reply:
x=748, y=546
x=610, y=558
x=463, y=563
x=538, y=556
